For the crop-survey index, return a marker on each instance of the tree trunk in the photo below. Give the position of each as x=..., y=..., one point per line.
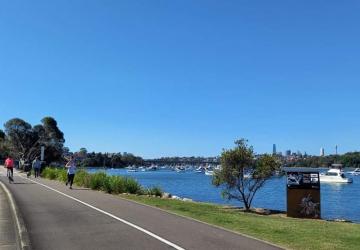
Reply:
x=247, y=206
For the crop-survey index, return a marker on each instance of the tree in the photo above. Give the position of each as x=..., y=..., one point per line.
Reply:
x=52, y=139
x=19, y=138
x=237, y=162
x=24, y=141
x=82, y=153
x=3, y=149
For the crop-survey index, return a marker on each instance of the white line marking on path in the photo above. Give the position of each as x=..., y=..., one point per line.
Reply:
x=111, y=215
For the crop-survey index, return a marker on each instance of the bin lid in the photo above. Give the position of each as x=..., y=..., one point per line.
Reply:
x=304, y=170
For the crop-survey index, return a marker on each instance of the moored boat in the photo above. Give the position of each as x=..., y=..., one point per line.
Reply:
x=179, y=169
x=209, y=172
x=335, y=175
x=356, y=171
x=200, y=169
x=152, y=168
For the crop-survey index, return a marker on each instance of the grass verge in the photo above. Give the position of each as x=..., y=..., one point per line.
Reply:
x=287, y=232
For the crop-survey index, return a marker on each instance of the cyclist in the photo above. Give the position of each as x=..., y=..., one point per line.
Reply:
x=9, y=164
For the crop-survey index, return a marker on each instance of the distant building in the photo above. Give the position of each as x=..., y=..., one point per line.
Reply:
x=274, y=149
x=288, y=152
x=322, y=152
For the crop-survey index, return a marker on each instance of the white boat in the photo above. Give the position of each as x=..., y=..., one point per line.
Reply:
x=335, y=175
x=247, y=176
x=355, y=172
x=132, y=169
x=152, y=168
x=209, y=172
x=179, y=169
x=200, y=170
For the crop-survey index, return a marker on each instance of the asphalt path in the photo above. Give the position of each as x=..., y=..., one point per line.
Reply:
x=59, y=218
x=7, y=225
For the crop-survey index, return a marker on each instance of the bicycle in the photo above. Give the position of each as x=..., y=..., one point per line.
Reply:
x=10, y=174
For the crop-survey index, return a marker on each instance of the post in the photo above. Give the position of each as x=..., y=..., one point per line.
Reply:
x=42, y=153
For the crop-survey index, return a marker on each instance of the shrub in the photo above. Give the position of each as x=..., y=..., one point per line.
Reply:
x=155, y=191
x=101, y=181
x=106, y=185
x=117, y=184
x=97, y=180
x=82, y=178
x=50, y=173
x=132, y=186
x=61, y=175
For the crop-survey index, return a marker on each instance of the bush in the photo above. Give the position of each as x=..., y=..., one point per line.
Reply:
x=61, y=175
x=50, y=173
x=117, y=184
x=132, y=186
x=106, y=185
x=155, y=191
x=82, y=178
x=101, y=181
x=98, y=180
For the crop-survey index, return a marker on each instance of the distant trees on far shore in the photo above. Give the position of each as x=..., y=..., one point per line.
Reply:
x=114, y=160
x=351, y=159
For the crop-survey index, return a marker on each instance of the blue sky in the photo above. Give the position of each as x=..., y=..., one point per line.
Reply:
x=166, y=78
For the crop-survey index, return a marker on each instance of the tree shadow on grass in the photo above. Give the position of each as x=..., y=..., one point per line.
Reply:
x=261, y=211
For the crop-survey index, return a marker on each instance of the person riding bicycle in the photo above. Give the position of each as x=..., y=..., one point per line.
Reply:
x=9, y=164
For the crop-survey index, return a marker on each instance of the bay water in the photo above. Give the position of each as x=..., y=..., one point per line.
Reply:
x=338, y=201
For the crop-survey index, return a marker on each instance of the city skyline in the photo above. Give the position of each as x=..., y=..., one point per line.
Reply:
x=185, y=78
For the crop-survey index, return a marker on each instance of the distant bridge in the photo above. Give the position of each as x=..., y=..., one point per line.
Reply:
x=180, y=162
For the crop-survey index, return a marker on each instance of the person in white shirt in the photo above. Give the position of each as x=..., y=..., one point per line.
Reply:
x=71, y=170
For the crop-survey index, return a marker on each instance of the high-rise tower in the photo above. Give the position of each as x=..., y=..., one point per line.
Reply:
x=274, y=149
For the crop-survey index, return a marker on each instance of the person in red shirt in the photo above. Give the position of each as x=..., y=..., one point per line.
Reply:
x=9, y=164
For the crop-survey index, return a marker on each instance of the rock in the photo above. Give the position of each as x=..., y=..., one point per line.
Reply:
x=187, y=199
x=166, y=195
x=342, y=220
x=175, y=197
x=262, y=211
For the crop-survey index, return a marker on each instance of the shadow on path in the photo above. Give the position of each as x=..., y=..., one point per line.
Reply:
x=24, y=183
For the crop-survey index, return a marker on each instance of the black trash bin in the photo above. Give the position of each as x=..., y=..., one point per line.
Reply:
x=27, y=168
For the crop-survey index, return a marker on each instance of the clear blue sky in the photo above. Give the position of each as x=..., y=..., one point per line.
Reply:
x=165, y=78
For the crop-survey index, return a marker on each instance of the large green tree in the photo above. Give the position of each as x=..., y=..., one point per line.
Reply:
x=52, y=139
x=19, y=138
x=241, y=174
x=3, y=149
x=24, y=141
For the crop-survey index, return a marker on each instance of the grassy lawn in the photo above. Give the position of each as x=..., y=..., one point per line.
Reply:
x=287, y=232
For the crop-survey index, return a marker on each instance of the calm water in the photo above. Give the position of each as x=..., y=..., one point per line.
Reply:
x=338, y=201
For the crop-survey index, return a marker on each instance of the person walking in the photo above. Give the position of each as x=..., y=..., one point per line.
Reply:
x=36, y=165
x=9, y=164
x=71, y=169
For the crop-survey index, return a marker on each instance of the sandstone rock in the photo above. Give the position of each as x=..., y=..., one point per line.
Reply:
x=166, y=195
x=187, y=199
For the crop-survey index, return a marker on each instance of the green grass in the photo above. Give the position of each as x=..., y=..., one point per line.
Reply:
x=287, y=232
